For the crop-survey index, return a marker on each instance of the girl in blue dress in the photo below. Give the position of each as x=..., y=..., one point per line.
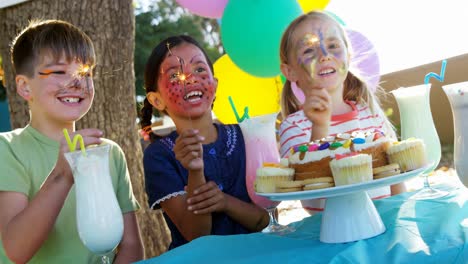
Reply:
x=196, y=174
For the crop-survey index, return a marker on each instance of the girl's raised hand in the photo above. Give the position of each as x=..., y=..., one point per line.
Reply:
x=189, y=149
x=207, y=198
x=317, y=106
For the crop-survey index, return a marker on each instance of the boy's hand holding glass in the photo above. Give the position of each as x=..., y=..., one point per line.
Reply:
x=90, y=136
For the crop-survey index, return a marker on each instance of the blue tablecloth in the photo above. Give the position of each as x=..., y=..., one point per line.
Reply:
x=424, y=231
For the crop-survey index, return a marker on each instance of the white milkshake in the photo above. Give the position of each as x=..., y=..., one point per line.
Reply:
x=99, y=218
x=458, y=96
x=416, y=119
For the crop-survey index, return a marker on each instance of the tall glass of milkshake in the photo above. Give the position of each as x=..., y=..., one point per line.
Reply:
x=416, y=121
x=261, y=146
x=457, y=94
x=99, y=218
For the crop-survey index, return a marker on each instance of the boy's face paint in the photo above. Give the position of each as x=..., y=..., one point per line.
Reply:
x=186, y=82
x=320, y=54
x=77, y=75
x=61, y=91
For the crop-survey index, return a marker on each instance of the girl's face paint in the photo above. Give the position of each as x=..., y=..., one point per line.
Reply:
x=186, y=82
x=320, y=54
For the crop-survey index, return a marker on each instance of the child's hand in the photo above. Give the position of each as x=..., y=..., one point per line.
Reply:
x=207, y=198
x=90, y=136
x=317, y=106
x=189, y=149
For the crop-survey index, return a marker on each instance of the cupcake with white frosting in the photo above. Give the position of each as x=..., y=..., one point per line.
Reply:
x=270, y=175
x=350, y=169
x=410, y=154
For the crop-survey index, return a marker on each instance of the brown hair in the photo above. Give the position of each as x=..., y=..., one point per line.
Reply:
x=354, y=88
x=55, y=37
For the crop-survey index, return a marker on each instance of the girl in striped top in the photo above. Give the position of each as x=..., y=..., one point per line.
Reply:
x=315, y=54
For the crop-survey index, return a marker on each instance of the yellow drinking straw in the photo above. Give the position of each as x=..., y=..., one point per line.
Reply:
x=72, y=145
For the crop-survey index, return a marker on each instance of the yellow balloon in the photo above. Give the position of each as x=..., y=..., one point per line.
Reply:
x=260, y=95
x=309, y=5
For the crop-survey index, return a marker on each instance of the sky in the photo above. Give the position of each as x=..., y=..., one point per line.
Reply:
x=5, y=3
x=405, y=33
x=408, y=33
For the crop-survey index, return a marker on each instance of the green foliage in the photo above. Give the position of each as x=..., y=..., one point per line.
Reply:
x=166, y=18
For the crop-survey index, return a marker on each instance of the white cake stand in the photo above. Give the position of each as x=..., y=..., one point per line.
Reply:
x=349, y=214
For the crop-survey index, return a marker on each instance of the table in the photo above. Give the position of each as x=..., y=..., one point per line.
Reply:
x=417, y=231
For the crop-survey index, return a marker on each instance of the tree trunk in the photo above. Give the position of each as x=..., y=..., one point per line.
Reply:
x=111, y=25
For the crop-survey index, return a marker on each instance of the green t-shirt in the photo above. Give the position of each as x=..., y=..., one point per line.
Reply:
x=26, y=159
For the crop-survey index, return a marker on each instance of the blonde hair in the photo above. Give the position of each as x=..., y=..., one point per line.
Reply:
x=354, y=88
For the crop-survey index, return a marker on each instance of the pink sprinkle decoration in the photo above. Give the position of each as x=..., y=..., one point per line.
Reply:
x=313, y=147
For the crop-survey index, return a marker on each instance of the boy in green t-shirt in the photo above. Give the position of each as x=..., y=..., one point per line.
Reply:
x=53, y=61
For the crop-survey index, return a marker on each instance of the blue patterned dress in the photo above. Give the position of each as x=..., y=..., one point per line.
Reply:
x=224, y=164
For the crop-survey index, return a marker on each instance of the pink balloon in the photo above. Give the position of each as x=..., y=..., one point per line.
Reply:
x=298, y=92
x=205, y=8
x=364, y=58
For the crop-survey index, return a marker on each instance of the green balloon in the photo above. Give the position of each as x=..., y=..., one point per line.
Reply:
x=251, y=32
x=283, y=78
